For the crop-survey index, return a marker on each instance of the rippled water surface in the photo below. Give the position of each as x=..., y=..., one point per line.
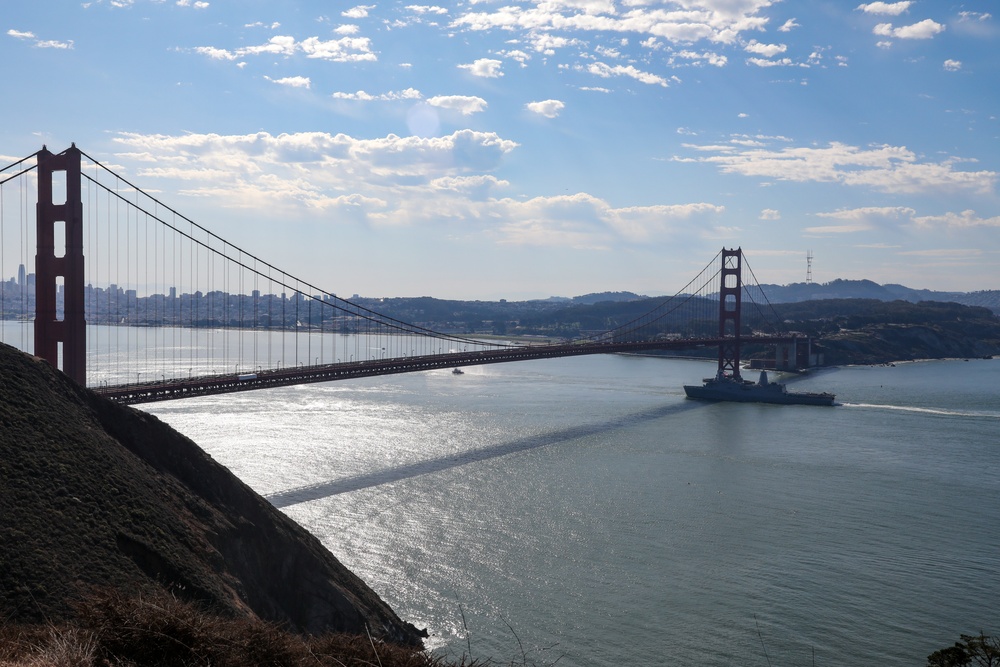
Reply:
x=584, y=510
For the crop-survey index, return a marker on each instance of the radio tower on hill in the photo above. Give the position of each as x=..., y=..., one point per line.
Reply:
x=809, y=267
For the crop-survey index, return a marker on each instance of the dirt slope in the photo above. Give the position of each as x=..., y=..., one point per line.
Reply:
x=93, y=494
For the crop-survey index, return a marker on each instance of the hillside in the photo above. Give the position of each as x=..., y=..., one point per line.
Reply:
x=866, y=289
x=97, y=496
x=565, y=317
x=865, y=331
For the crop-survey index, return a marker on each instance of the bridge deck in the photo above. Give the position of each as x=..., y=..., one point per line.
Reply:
x=149, y=392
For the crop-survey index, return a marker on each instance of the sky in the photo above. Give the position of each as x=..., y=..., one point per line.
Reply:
x=524, y=149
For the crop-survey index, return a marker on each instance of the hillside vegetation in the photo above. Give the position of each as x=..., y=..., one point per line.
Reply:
x=97, y=496
x=868, y=331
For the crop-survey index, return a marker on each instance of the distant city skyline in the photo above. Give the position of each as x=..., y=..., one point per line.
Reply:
x=526, y=149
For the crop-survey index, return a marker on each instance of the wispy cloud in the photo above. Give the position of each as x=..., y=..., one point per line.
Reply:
x=40, y=43
x=345, y=49
x=408, y=94
x=863, y=219
x=893, y=169
x=965, y=219
x=606, y=71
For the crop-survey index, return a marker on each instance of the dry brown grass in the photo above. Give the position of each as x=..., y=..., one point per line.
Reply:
x=111, y=630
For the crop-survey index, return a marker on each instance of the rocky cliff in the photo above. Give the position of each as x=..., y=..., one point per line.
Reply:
x=94, y=495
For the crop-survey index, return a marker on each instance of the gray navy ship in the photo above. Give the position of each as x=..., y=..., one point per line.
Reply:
x=729, y=388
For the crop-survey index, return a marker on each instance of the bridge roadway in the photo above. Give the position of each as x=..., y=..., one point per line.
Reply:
x=149, y=392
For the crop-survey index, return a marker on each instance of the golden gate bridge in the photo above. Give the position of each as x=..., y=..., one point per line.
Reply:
x=163, y=309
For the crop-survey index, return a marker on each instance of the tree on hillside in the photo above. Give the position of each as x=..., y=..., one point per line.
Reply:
x=981, y=651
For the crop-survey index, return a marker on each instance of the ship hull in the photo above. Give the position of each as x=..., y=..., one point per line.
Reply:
x=754, y=393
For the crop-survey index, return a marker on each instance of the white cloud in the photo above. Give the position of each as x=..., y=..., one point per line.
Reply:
x=788, y=26
x=547, y=108
x=465, y=105
x=886, y=168
x=546, y=43
x=606, y=71
x=695, y=58
x=398, y=181
x=863, y=219
x=54, y=44
x=963, y=220
x=582, y=221
x=925, y=29
x=472, y=186
x=424, y=9
x=765, y=50
x=345, y=49
x=39, y=43
x=277, y=45
x=952, y=65
x=408, y=94
x=292, y=81
x=886, y=8
x=974, y=16
x=384, y=180
x=359, y=12
x=214, y=53
x=485, y=67
x=197, y=4
x=763, y=62
x=770, y=214
x=516, y=54
x=715, y=21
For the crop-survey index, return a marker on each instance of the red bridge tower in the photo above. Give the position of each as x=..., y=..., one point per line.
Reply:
x=71, y=330
x=730, y=306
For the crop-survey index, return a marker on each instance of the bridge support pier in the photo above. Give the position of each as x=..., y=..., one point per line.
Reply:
x=786, y=357
x=71, y=330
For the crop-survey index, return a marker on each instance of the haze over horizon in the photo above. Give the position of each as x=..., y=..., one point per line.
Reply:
x=525, y=149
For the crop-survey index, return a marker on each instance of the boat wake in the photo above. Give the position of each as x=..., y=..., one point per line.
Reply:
x=926, y=411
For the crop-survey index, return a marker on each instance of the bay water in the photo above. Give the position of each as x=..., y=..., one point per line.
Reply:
x=583, y=511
